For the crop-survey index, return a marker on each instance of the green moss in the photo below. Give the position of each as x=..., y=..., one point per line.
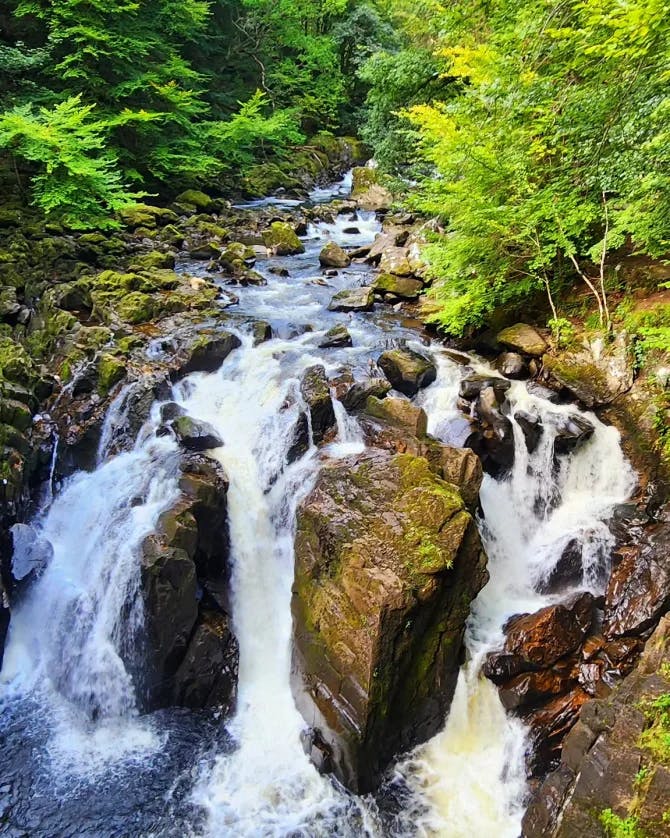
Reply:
x=15, y=363
x=111, y=370
x=153, y=259
x=136, y=307
x=266, y=178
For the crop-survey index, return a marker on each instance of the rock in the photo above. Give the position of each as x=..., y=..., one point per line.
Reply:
x=190, y=549
x=395, y=261
x=542, y=638
x=404, y=287
x=205, y=251
x=387, y=562
x=472, y=386
x=530, y=688
x=523, y=338
x=357, y=395
x=531, y=426
x=549, y=723
x=572, y=431
x=567, y=572
x=205, y=354
x=197, y=200
x=368, y=192
x=262, y=332
x=408, y=371
x=511, y=365
x=638, y=592
x=281, y=240
x=336, y=337
x=333, y=256
x=597, y=374
x=608, y=760
x=353, y=299
x=461, y=358
x=316, y=393
x=207, y=676
x=111, y=370
x=496, y=445
x=399, y=412
x=195, y=435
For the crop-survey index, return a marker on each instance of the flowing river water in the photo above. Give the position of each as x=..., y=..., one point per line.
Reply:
x=80, y=760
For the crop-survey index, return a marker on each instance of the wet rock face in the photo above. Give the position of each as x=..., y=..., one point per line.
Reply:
x=387, y=562
x=186, y=632
x=316, y=393
x=408, y=371
x=489, y=431
x=611, y=759
x=206, y=354
x=638, y=592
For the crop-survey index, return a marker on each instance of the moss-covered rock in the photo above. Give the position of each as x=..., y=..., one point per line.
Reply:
x=367, y=190
x=266, y=178
x=281, y=240
x=333, y=256
x=144, y=215
x=111, y=370
x=152, y=259
x=387, y=562
x=198, y=200
x=408, y=371
x=399, y=286
x=523, y=338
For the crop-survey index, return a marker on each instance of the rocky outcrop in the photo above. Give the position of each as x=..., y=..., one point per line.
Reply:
x=407, y=370
x=388, y=560
x=597, y=374
x=188, y=633
x=613, y=777
x=368, y=192
x=204, y=354
x=491, y=433
x=336, y=337
x=315, y=391
x=524, y=339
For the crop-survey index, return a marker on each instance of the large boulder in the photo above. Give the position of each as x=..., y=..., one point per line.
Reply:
x=524, y=339
x=399, y=286
x=333, y=256
x=188, y=553
x=368, y=193
x=388, y=560
x=395, y=261
x=408, y=371
x=597, y=374
x=400, y=413
x=336, y=337
x=194, y=434
x=353, y=299
x=356, y=396
x=281, y=240
x=205, y=354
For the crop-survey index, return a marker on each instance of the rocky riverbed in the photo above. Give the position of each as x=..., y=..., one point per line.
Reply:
x=287, y=339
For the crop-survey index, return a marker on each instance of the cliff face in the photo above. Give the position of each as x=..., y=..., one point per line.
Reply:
x=614, y=774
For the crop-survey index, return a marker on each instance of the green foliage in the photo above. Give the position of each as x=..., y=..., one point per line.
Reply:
x=550, y=150
x=78, y=178
x=656, y=737
x=617, y=827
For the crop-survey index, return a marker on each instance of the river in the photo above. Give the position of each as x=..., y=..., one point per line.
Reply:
x=79, y=759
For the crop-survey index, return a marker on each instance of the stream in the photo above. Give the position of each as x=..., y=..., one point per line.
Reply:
x=79, y=759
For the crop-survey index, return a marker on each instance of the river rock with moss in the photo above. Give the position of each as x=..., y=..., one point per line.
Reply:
x=388, y=560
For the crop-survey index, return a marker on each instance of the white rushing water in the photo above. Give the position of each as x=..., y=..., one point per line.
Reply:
x=472, y=774
x=74, y=631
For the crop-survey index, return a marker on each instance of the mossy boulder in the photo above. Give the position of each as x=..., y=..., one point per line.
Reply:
x=408, y=371
x=353, y=299
x=136, y=307
x=137, y=216
x=152, y=259
x=266, y=178
x=333, y=256
x=198, y=200
x=111, y=370
x=367, y=190
x=281, y=240
x=388, y=560
x=400, y=286
x=523, y=338
x=399, y=412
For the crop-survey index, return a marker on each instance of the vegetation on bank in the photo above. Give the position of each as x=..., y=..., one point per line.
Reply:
x=105, y=102
x=545, y=153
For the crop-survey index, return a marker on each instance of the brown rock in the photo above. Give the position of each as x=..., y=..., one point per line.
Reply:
x=387, y=562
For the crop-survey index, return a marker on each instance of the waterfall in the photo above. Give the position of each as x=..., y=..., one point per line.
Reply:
x=73, y=631
x=472, y=774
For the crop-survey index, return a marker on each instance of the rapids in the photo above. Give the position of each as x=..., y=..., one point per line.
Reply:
x=79, y=759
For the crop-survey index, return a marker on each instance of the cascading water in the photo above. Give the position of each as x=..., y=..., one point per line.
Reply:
x=72, y=634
